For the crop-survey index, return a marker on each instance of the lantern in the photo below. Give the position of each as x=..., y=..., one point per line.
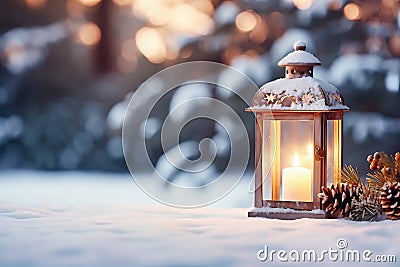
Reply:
x=298, y=142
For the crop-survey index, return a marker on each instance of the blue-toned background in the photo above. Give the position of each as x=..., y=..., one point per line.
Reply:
x=68, y=66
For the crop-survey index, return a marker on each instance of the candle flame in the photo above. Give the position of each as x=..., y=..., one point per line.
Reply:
x=296, y=160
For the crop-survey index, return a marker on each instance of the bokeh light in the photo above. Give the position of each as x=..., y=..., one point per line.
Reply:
x=188, y=20
x=128, y=50
x=89, y=34
x=303, y=4
x=389, y=3
x=36, y=3
x=335, y=4
x=260, y=32
x=352, y=11
x=140, y=37
x=191, y=17
x=90, y=3
x=151, y=44
x=186, y=53
x=126, y=66
x=246, y=21
x=172, y=53
x=231, y=53
x=394, y=44
x=204, y=6
x=156, y=11
x=74, y=9
x=122, y=2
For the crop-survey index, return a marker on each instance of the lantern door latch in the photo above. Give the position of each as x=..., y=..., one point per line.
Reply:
x=319, y=153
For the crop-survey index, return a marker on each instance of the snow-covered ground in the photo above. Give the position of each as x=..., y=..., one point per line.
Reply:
x=79, y=219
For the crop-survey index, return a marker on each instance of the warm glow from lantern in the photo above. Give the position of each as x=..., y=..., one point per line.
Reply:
x=310, y=149
x=298, y=149
x=296, y=182
x=303, y=4
x=246, y=21
x=352, y=11
x=90, y=3
x=36, y=3
x=89, y=34
x=151, y=45
x=296, y=160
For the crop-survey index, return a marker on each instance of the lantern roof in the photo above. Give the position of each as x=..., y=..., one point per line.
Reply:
x=299, y=57
x=306, y=93
x=298, y=90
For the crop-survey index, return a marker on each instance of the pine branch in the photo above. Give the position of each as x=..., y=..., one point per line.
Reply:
x=386, y=169
x=360, y=201
x=387, y=161
x=376, y=179
x=397, y=166
x=350, y=175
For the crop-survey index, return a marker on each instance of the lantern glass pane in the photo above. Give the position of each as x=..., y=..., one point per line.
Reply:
x=290, y=178
x=297, y=160
x=268, y=152
x=334, y=151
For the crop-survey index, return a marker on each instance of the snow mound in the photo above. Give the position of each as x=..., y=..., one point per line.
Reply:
x=74, y=219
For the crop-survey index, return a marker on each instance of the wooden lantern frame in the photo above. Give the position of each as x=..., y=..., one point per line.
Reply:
x=299, y=97
x=320, y=121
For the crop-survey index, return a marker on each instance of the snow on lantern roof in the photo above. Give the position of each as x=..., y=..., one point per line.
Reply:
x=306, y=93
x=299, y=57
x=299, y=90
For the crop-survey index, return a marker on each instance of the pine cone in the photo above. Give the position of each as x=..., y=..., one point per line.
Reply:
x=367, y=207
x=390, y=200
x=336, y=201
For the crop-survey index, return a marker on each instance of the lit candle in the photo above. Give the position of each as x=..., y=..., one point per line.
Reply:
x=296, y=183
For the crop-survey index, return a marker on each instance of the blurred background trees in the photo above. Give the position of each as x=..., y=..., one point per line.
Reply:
x=68, y=66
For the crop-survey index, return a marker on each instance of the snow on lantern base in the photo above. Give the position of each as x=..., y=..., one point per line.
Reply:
x=286, y=213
